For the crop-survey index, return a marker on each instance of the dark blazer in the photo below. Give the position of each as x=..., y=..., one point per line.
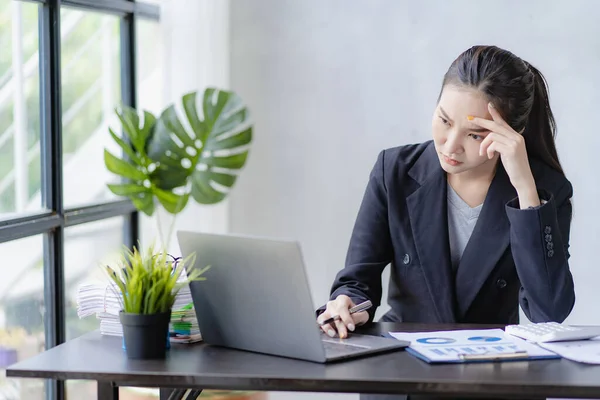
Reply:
x=514, y=256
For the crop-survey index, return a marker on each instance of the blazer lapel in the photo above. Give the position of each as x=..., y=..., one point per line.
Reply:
x=427, y=208
x=488, y=242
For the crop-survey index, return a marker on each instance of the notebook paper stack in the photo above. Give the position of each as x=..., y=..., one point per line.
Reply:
x=184, y=325
x=103, y=299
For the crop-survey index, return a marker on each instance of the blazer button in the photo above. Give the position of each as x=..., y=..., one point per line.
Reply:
x=501, y=283
x=406, y=259
x=549, y=245
x=550, y=253
x=548, y=237
x=548, y=229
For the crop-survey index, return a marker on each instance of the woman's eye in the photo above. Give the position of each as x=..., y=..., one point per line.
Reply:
x=476, y=137
x=444, y=121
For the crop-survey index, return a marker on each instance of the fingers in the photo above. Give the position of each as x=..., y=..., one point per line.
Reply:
x=491, y=149
x=343, y=304
x=496, y=115
x=489, y=139
x=328, y=329
x=501, y=144
x=360, y=318
x=340, y=307
x=508, y=150
x=346, y=322
x=341, y=329
x=496, y=124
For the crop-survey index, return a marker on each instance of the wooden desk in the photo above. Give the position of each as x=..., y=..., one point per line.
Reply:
x=99, y=358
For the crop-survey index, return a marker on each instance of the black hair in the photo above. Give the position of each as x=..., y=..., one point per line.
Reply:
x=517, y=90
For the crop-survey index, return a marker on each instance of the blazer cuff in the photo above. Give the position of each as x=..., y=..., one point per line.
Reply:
x=543, y=195
x=536, y=227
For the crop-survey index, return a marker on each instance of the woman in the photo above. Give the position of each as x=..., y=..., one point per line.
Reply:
x=474, y=222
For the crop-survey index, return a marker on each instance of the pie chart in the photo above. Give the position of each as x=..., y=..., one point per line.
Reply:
x=436, y=340
x=484, y=338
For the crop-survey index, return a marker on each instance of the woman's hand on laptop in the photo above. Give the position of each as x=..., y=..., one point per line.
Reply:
x=341, y=306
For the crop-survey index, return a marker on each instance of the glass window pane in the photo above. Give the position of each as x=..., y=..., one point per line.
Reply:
x=20, y=165
x=149, y=66
x=21, y=313
x=87, y=248
x=91, y=84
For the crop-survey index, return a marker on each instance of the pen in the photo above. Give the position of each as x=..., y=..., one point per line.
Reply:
x=357, y=308
x=495, y=356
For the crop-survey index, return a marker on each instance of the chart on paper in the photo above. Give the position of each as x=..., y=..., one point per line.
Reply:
x=448, y=346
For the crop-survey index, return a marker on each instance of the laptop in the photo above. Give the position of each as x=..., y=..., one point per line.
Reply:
x=256, y=298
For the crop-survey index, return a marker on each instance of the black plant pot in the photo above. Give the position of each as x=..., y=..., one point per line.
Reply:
x=145, y=335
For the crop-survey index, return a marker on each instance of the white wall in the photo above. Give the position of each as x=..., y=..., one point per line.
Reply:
x=195, y=48
x=331, y=83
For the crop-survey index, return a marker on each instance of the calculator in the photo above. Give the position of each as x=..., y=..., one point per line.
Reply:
x=552, y=332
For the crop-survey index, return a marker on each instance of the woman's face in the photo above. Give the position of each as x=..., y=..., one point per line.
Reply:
x=457, y=140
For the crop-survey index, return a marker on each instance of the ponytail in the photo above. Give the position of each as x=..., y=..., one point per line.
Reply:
x=540, y=130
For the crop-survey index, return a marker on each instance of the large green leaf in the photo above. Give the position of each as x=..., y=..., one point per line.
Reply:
x=127, y=189
x=134, y=166
x=207, y=153
x=123, y=168
x=172, y=202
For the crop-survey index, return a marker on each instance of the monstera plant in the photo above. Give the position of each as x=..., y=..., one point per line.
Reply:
x=197, y=152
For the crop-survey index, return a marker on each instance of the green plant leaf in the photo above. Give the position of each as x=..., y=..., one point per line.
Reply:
x=189, y=105
x=171, y=123
x=126, y=189
x=223, y=179
x=238, y=140
x=126, y=147
x=147, y=281
x=144, y=202
x=172, y=202
x=203, y=192
x=122, y=168
x=147, y=128
x=211, y=155
x=135, y=165
x=130, y=123
x=235, y=161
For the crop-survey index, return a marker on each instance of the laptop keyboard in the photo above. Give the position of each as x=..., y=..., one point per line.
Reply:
x=337, y=347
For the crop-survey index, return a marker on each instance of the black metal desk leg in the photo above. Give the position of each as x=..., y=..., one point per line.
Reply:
x=179, y=394
x=108, y=391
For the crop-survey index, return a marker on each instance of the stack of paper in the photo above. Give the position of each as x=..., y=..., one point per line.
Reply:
x=184, y=325
x=103, y=299
x=584, y=351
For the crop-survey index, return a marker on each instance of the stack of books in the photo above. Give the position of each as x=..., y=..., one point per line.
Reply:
x=103, y=299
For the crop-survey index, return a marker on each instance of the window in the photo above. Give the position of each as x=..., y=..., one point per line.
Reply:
x=21, y=313
x=20, y=167
x=88, y=247
x=63, y=70
x=91, y=88
x=150, y=67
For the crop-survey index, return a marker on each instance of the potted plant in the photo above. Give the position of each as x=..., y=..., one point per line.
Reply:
x=148, y=283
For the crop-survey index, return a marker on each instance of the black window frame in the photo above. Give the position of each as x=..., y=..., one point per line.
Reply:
x=53, y=218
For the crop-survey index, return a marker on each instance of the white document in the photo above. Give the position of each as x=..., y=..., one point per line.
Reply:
x=449, y=346
x=585, y=351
